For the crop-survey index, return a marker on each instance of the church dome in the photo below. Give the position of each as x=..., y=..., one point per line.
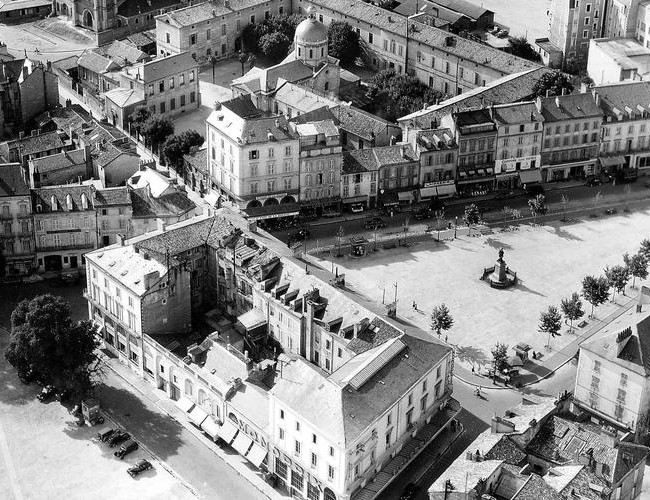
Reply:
x=311, y=31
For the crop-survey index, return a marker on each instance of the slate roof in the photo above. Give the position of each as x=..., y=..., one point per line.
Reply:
x=11, y=5
x=59, y=161
x=464, y=7
x=43, y=197
x=252, y=130
x=132, y=8
x=122, y=52
x=358, y=161
x=507, y=450
x=110, y=152
x=516, y=113
x=361, y=123
x=198, y=160
x=376, y=333
x=167, y=205
x=242, y=106
x=622, y=95
x=123, y=97
x=178, y=240
x=164, y=67
x=634, y=356
x=473, y=117
x=300, y=97
x=319, y=114
x=11, y=180
x=112, y=196
x=142, y=38
x=394, y=155
x=563, y=441
x=96, y=62
x=571, y=106
x=11, y=69
x=66, y=117
x=33, y=144
x=195, y=14
x=508, y=89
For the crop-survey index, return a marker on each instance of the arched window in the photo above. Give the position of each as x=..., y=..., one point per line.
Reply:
x=189, y=387
x=308, y=179
x=68, y=202
x=84, y=201
x=311, y=54
x=203, y=399
x=53, y=203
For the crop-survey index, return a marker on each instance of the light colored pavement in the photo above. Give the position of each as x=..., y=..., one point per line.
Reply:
x=154, y=419
x=550, y=260
x=45, y=40
x=44, y=455
x=523, y=17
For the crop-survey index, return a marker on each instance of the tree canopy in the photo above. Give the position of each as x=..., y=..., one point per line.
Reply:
x=471, y=216
x=519, y=46
x=44, y=338
x=538, y=206
x=500, y=356
x=139, y=118
x=550, y=322
x=398, y=95
x=275, y=45
x=156, y=129
x=553, y=82
x=572, y=308
x=441, y=319
x=282, y=24
x=176, y=146
x=638, y=266
x=343, y=42
x=595, y=291
x=617, y=278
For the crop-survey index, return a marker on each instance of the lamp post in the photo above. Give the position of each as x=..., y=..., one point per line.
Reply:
x=455, y=226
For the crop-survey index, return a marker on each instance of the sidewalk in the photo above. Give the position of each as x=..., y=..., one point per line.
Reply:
x=540, y=371
x=167, y=406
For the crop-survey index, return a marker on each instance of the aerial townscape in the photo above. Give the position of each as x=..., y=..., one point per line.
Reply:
x=325, y=249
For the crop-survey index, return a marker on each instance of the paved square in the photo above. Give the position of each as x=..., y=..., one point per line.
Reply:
x=550, y=261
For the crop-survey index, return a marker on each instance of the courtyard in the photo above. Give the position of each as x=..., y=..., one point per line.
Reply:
x=550, y=262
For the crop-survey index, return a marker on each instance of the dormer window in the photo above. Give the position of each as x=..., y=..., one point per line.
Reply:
x=68, y=202
x=53, y=203
x=84, y=201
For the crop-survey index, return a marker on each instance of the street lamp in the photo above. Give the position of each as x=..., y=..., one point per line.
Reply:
x=455, y=226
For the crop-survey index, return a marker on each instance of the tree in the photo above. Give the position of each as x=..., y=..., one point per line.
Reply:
x=500, y=357
x=520, y=47
x=139, y=117
x=552, y=82
x=44, y=338
x=440, y=220
x=274, y=45
x=471, y=216
x=537, y=206
x=638, y=266
x=177, y=146
x=213, y=61
x=243, y=57
x=595, y=291
x=441, y=319
x=572, y=309
x=644, y=249
x=550, y=322
x=156, y=129
x=343, y=42
x=617, y=278
x=283, y=24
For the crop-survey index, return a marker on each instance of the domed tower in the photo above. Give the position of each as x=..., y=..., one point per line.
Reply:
x=310, y=41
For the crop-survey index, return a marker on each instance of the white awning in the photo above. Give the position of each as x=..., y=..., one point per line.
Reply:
x=241, y=443
x=227, y=431
x=256, y=455
x=405, y=195
x=428, y=192
x=446, y=189
x=198, y=415
x=184, y=404
x=210, y=427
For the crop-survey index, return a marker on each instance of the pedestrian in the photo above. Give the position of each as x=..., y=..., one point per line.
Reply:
x=415, y=306
x=446, y=338
x=473, y=370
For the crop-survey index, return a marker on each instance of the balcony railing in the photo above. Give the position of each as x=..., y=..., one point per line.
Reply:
x=110, y=315
x=54, y=248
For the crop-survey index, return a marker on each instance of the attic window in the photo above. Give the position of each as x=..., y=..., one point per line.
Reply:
x=68, y=201
x=53, y=203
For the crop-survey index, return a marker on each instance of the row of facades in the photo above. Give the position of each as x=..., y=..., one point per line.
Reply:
x=259, y=160
x=303, y=381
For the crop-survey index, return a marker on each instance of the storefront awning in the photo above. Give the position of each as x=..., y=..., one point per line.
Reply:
x=428, y=192
x=252, y=319
x=210, y=427
x=256, y=455
x=198, y=415
x=530, y=176
x=185, y=404
x=272, y=211
x=405, y=195
x=242, y=443
x=227, y=431
x=612, y=161
x=390, y=199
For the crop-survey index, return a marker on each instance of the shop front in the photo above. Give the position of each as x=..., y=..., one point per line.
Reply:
x=433, y=190
x=567, y=171
x=529, y=177
x=477, y=182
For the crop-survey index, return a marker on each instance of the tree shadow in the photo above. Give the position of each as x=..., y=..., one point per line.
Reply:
x=130, y=413
x=494, y=243
x=565, y=235
x=471, y=354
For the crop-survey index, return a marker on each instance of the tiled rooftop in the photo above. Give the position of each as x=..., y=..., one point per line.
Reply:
x=11, y=180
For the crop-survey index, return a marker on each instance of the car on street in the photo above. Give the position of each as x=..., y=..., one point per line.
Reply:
x=409, y=492
x=127, y=447
x=300, y=235
x=356, y=208
x=534, y=189
x=593, y=180
x=117, y=437
x=66, y=279
x=374, y=223
x=140, y=467
x=46, y=393
x=423, y=213
x=105, y=434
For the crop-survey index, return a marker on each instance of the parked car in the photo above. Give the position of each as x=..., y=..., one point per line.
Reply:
x=105, y=434
x=66, y=279
x=374, y=223
x=300, y=235
x=534, y=189
x=356, y=208
x=423, y=213
x=593, y=180
x=127, y=447
x=46, y=393
x=141, y=466
x=409, y=492
x=63, y=395
x=117, y=437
